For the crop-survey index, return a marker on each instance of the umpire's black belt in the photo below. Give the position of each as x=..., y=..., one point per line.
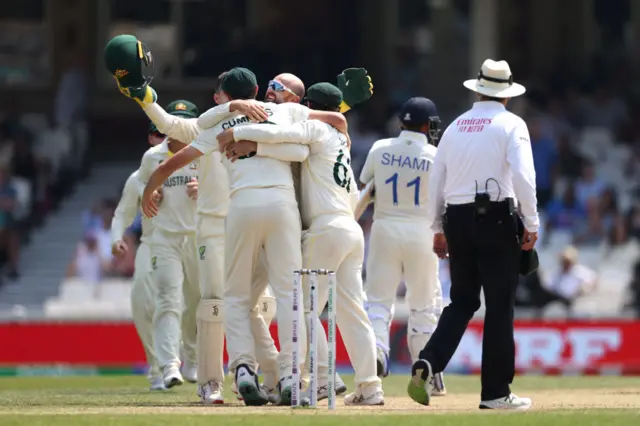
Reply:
x=495, y=208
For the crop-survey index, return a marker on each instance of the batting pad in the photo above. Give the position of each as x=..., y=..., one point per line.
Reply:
x=210, y=340
x=268, y=307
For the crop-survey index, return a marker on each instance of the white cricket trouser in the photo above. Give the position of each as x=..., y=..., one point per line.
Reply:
x=397, y=249
x=260, y=218
x=337, y=243
x=143, y=305
x=175, y=272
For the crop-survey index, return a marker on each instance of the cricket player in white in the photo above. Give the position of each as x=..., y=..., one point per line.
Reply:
x=212, y=207
x=263, y=213
x=397, y=172
x=334, y=239
x=173, y=259
x=143, y=289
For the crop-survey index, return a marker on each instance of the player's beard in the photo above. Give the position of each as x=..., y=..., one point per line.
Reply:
x=271, y=97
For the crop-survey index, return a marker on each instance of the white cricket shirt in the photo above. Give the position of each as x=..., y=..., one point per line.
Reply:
x=486, y=142
x=328, y=181
x=127, y=209
x=213, y=184
x=177, y=211
x=271, y=167
x=400, y=168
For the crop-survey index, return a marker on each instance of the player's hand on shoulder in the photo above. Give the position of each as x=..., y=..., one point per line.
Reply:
x=119, y=248
x=192, y=189
x=251, y=108
x=225, y=139
x=241, y=149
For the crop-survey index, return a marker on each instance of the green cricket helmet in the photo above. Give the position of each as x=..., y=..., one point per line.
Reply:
x=130, y=61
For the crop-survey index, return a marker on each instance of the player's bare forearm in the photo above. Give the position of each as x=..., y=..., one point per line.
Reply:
x=334, y=119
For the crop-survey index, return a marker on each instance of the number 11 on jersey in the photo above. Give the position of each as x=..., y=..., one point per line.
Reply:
x=393, y=180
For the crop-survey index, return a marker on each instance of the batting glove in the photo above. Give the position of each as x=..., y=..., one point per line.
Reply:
x=143, y=96
x=356, y=87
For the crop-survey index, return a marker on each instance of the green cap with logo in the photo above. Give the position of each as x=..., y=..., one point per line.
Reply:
x=129, y=60
x=239, y=83
x=325, y=94
x=182, y=108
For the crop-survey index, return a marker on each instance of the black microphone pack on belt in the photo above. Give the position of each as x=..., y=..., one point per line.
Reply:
x=529, y=261
x=482, y=200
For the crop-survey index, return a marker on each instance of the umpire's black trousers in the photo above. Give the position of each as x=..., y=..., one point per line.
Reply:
x=484, y=253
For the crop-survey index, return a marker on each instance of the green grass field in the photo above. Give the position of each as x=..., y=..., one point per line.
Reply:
x=124, y=400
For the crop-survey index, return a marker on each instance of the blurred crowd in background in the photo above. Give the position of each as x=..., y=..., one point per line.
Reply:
x=585, y=132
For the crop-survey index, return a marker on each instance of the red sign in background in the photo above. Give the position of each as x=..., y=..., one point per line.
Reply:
x=551, y=347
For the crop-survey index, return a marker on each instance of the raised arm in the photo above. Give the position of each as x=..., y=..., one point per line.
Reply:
x=302, y=113
x=183, y=129
x=291, y=152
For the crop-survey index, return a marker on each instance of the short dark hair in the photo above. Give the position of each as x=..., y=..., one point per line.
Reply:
x=219, y=81
x=319, y=107
x=413, y=127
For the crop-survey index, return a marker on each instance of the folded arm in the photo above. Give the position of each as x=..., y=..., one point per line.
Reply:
x=305, y=132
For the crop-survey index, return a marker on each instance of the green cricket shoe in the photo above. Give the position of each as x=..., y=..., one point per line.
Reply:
x=249, y=387
x=419, y=388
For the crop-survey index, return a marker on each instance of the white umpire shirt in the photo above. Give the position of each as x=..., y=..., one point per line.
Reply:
x=486, y=142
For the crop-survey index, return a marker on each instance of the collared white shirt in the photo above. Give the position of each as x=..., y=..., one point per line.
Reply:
x=485, y=143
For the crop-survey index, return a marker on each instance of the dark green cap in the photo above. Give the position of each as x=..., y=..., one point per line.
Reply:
x=325, y=94
x=239, y=83
x=183, y=108
x=129, y=60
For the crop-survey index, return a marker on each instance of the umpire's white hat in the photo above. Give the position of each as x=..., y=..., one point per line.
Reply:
x=495, y=80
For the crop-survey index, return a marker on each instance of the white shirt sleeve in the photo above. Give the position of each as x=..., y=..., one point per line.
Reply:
x=127, y=208
x=213, y=116
x=206, y=142
x=183, y=129
x=298, y=112
x=520, y=159
x=436, y=205
x=291, y=152
x=366, y=175
x=306, y=133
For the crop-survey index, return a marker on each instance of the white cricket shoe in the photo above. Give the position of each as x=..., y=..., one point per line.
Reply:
x=211, y=393
x=323, y=388
x=437, y=385
x=171, y=377
x=190, y=372
x=509, y=402
x=156, y=384
x=366, y=395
